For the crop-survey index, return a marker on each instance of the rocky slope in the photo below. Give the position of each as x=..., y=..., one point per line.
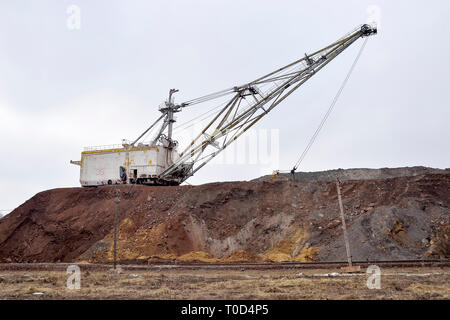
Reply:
x=406, y=216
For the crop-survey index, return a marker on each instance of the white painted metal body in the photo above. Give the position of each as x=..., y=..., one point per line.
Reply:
x=101, y=166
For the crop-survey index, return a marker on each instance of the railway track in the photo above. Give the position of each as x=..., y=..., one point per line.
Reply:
x=127, y=265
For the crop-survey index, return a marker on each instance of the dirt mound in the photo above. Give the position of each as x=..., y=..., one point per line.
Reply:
x=241, y=256
x=399, y=218
x=199, y=256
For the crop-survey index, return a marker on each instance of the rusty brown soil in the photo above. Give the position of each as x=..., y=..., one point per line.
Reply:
x=397, y=218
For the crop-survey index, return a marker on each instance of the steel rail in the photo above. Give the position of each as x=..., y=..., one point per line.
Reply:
x=171, y=265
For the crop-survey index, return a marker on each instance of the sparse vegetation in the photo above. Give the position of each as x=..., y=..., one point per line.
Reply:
x=225, y=284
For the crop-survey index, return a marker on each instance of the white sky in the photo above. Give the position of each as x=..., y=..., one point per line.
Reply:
x=61, y=89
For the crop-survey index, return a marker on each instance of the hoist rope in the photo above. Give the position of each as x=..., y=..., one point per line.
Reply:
x=330, y=109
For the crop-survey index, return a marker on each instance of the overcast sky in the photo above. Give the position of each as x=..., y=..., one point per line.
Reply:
x=62, y=89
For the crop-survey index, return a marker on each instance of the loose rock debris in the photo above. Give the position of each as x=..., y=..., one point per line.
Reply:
x=388, y=218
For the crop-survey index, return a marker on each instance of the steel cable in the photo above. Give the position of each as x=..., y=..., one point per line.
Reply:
x=330, y=109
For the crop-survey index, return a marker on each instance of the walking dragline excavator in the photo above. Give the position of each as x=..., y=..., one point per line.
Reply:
x=159, y=162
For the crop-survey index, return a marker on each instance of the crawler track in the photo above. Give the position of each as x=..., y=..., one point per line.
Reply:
x=223, y=266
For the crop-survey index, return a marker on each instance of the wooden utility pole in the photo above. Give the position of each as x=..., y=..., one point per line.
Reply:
x=350, y=267
x=115, y=227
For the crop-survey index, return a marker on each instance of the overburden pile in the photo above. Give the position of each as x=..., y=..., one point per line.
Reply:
x=398, y=216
